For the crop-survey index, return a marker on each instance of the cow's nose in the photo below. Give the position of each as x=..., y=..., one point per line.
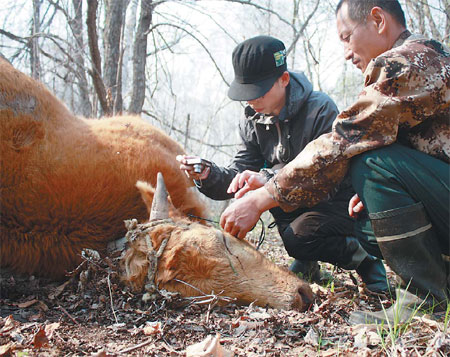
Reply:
x=306, y=295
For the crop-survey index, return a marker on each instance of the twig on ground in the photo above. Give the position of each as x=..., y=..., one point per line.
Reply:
x=68, y=315
x=167, y=345
x=111, y=299
x=135, y=347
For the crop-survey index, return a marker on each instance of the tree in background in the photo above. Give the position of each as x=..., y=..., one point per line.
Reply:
x=170, y=61
x=430, y=18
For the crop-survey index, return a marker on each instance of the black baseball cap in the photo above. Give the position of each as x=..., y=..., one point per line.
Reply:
x=258, y=62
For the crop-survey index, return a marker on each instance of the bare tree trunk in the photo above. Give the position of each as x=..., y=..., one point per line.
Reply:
x=434, y=31
x=112, y=39
x=307, y=59
x=446, y=5
x=85, y=107
x=140, y=57
x=34, y=42
x=295, y=11
x=417, y=18
x=269, y=22
x=421, y=16
x=96, y=72
x=186, y=137
x=130, y=26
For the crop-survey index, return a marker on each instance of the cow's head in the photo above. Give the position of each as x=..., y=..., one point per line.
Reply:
x=197, y=258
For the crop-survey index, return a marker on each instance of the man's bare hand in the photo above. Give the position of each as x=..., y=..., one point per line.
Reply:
x=242, y=215
x=246, y=181
x=355, y=206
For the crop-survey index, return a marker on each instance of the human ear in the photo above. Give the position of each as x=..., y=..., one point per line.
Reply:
x=378, y=17
x=285, y=77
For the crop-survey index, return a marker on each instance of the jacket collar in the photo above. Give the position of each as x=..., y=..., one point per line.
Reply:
x=402, y=38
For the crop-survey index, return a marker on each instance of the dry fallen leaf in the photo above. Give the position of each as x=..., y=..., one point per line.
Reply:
x=430, y=322
x=40, y=339
x=103, y=353
x=58, y=290
x=9, y=324
x=27, y=303
x=152, y=328
x=361, y=339
x=42, y=306
x=435, y=344
x=209, y=347
x=8, y=349
x=311, y=337
x=259, y=315
x=365, y=335
x=51, y=328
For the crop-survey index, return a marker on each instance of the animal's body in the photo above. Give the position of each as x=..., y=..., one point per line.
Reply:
x=68, y=183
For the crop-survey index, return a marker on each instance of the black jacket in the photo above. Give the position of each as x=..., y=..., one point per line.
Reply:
x=269, y=141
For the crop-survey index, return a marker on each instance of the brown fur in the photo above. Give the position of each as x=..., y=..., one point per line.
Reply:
x=67, y=183
x=213, y=261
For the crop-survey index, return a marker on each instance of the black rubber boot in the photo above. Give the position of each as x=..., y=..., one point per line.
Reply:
x=369, y=268
x=309, y=270
x=373, y=274
x=406, y=306
x=410, y=247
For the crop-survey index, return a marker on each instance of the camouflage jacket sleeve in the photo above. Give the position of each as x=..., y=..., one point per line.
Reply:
x=403, y=88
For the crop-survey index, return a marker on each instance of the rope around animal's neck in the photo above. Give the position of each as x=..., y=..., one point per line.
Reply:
x=136, y=231
x=262, y=234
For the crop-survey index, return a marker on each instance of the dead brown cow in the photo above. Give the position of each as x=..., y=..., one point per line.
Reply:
x=68, y=183
x=196, y=258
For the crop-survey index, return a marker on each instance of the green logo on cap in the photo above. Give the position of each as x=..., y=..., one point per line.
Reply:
x=280, y=57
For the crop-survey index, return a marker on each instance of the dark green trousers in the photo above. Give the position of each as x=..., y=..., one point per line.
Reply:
x=397, y=176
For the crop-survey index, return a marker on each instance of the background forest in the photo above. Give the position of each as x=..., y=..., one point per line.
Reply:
x=170, y=61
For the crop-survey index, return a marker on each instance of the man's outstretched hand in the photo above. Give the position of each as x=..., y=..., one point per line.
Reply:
x=242, y=215
x=246, y=181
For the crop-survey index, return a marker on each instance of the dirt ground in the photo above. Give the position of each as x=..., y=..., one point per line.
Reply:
x=92, y=313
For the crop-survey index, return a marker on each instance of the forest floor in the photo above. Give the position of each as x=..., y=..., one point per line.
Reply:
x=93, y=313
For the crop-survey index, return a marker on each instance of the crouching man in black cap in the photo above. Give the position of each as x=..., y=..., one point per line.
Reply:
x=283, y=115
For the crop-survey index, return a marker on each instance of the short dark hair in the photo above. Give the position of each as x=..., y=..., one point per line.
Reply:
x=359, y=9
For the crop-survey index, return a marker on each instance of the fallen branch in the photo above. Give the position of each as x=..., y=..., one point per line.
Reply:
x=142, y=344
x=68, y=315
x=111, y=299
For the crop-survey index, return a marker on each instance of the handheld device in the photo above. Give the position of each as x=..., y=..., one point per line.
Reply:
x=197, y=163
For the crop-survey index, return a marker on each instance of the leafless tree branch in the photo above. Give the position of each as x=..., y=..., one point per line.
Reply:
x=199, y=41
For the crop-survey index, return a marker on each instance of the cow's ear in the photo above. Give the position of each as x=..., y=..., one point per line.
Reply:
x=169, y=265
x=147, y=192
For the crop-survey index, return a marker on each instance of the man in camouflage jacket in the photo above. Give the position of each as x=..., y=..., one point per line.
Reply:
x=394, y=140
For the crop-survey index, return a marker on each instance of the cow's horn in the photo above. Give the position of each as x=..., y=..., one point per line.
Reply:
x=160, y=204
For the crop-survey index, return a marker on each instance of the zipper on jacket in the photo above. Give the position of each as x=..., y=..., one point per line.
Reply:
x=283, y=152
x=279, y=149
